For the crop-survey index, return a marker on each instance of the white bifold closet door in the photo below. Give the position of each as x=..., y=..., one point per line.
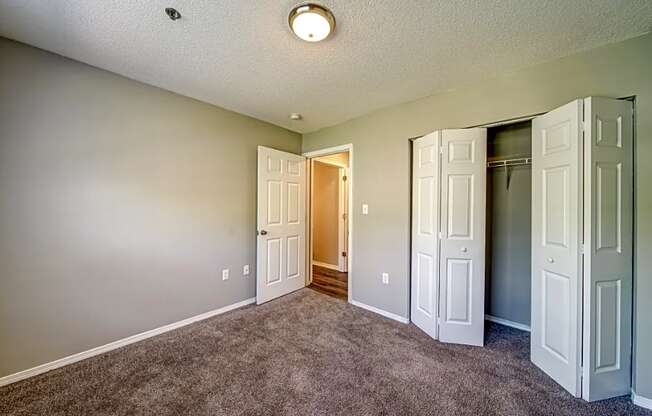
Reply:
x=425, y=233
x=448, y=251
x=608, y=222
x=556, y=332
x=581, y=246
x=281, y=247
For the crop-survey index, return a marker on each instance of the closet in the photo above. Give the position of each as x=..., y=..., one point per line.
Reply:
x=509, y=223
x=474, y=212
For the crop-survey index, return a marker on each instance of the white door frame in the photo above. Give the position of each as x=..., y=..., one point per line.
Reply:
x=349, y=252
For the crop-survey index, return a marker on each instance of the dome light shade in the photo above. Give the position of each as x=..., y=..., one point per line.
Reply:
x=311, y=22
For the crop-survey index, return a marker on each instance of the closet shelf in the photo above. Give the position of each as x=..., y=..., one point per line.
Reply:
x=509, y=162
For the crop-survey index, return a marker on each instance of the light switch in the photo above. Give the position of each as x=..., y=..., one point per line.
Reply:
x=365, y=209
x=225, y=274
x=385, y=277
x=245, y=270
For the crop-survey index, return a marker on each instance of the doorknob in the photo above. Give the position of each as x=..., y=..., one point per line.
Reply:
x=551, y=260
x=262, y=232
x=464, y=249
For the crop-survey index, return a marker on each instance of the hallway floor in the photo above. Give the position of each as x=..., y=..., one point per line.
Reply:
x=330, y=282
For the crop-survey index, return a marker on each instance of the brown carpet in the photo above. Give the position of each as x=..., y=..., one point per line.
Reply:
x=284, y=358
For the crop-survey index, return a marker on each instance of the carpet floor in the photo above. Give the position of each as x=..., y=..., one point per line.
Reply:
x=304, y=354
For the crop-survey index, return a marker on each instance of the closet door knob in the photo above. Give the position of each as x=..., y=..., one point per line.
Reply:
x=464, y=249
x=551, y=260
x=263, y=232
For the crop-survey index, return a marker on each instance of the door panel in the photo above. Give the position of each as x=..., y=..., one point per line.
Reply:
x=556, y=242
x=460, y=203
x=425, y=215
x=462, y=247
x=281, y=224
x=608, y=241
x=458, y=286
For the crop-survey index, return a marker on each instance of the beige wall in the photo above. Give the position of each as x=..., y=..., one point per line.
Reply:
x=325, y=213
x=120, y=205
x=339, y=159
x=382, y=165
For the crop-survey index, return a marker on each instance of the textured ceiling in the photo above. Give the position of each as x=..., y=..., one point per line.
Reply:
x=241, y=55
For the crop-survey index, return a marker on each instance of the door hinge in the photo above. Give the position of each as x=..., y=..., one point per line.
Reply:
x=344, y=254
x=441, y=150
x=440, y=235
x=344, y=178
x=344, y=216
x=582, y=249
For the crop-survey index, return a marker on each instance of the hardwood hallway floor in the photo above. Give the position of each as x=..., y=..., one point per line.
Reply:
x=330, y=282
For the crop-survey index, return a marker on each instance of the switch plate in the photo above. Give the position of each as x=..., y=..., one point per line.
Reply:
x=245, y=270
x=385, y=277
x=365, y=209
x=225, y=274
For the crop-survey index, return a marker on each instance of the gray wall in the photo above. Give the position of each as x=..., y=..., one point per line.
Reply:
x=382, y=165
x=120, y=205
x=509, y=220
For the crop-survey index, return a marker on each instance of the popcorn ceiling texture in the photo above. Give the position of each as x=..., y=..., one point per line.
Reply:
x=241, y=55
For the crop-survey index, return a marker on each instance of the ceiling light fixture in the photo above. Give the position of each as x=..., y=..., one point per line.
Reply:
x=311, y=22
x=295, y=116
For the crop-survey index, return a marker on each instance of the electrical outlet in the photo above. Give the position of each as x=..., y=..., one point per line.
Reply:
x=365, y=209
x=245, y=270
x=385, y=278
x=225, y=274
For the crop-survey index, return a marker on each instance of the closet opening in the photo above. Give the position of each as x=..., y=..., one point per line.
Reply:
x=509, y=225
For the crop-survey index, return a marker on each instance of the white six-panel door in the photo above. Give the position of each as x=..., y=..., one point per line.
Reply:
x=425, y=222
x=281, y=247
x=462, y=244
x=608, y=248
x=556, y=243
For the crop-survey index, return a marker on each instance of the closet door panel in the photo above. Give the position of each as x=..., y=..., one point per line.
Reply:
x=462, y=247
x=425, y=231
x=556, y=243
x=608, y=254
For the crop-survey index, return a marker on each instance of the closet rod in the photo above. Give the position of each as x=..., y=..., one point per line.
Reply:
x=509, y=162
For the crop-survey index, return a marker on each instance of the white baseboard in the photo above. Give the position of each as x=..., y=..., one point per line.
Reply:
x=326, y=265
x=507, y=322
x=31, y=372
x=641, y=401
x=380, y=311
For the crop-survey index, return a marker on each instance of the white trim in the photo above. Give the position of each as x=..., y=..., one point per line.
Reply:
x=329, y=151
x=641, y=401
x=380, y=312
x=326, y=265
x=341, y=221
x=507, y=322
x=40, y=369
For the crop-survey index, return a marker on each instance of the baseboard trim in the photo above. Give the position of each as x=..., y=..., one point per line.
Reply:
x=326, y=265
x=507, y=322
x=641, y=401
x=380, y=311
x=43, y=368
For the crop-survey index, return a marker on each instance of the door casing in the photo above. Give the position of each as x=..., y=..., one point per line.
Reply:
x=350, y=181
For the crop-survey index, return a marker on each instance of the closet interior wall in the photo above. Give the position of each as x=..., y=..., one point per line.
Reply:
x=509, y=207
